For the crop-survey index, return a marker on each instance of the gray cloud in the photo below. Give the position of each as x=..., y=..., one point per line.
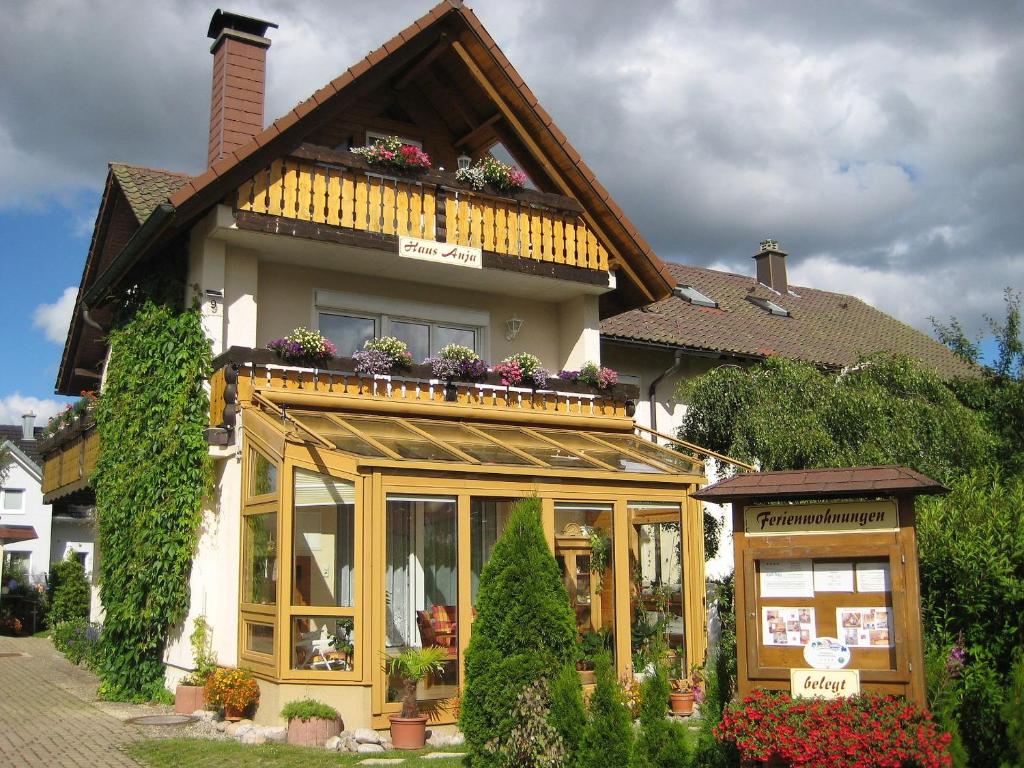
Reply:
x=878, y=141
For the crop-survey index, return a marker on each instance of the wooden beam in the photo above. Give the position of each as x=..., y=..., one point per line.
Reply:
x=420, y=66
x=87, y=374
x=475, y=134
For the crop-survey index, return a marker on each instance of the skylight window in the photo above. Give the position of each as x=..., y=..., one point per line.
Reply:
x=692, y=295
x=768, y=306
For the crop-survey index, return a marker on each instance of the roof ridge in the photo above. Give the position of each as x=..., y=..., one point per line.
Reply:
x=115, y=163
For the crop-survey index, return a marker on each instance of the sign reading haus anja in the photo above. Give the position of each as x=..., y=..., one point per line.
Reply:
x=842, y=517
x=442, y=253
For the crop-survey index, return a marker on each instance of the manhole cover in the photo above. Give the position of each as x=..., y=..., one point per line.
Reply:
x=162, y=720
x=7, y=654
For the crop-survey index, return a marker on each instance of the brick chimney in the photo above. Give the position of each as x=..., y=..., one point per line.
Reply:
x=771, y=266
x=28, y=426
x=239, y=78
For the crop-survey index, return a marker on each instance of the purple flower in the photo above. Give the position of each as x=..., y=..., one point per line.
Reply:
x=474, y=370
x=956, y=659
x=372, y=362
x=540, y=378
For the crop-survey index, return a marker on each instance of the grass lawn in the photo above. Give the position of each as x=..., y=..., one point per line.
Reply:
x=203, y=753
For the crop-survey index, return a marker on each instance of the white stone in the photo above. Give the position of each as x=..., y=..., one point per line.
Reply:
x=242, y=730
x=223, y=725
x=370, y=748
x=253, y=737
x=206, y=715
x=456, y=739
x=334, y=743
x=382, y=761
x=367, y=736
x=350, y=745
x=277, y=734
x=443, y=755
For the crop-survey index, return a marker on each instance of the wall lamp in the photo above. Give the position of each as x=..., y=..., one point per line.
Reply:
x=512, y=327
x=464, y=160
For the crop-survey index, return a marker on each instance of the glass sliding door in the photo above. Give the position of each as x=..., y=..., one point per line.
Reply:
x=422, y=586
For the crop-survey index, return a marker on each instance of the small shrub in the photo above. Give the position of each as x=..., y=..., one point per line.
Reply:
x=308, y=709
x=841, y=733
x=568, y=715
x=232, y=688
x=69, y=592
x=608, y=735
x=661, y=743
x=203, y=657
x=1013, y=713
x=533, y=742
x=79, y=641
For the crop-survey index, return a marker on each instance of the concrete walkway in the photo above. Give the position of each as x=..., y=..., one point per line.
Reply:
x=49, y=715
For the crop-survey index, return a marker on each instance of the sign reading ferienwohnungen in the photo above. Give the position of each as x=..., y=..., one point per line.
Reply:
x=842, y=517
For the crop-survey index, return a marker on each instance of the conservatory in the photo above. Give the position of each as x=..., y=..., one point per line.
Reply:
x=369, y=509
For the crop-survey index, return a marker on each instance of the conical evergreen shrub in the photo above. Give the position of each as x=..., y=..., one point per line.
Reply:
x=661, y=743
x=568, y=715
x=524, y=631
x=608, y=736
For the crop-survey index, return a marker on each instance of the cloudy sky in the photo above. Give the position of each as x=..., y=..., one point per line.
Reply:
x=879, y=142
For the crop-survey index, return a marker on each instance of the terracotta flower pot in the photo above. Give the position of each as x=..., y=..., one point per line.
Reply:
x=408, y=732
x=313, y=732
x=189, y=698
x=233, y=713
x=681, y=703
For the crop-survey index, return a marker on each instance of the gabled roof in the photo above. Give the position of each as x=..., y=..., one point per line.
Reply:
x=824, y=328
x=30, y=448
x=146, y=188
x=642, y=276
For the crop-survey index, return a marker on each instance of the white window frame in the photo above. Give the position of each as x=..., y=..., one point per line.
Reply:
x=384, y=310
x=374, y=135
x=20, y=510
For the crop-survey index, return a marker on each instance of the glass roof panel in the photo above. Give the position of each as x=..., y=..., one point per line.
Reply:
x=404, y=442
x=616, y=459
x=469, y=442
x=527, y=443
x=667, y=456
x=334, y=432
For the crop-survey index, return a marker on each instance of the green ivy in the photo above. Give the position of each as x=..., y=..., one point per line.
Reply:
x=151, y=476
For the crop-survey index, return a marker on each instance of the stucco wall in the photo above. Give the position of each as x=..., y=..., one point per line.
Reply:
x=33, y=512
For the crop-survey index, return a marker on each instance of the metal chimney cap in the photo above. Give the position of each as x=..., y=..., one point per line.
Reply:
x=239, y=22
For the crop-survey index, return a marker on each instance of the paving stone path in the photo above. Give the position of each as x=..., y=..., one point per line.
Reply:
x=49, y=715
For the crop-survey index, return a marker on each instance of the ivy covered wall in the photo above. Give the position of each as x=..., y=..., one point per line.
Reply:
x=151, y=477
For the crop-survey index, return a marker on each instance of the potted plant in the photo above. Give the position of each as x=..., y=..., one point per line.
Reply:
x=522, y=368
x=304, y=347
x=409, y=728
x=233, y=690
x=595, y=376
x=684, y=690
x=391, y=152
x=190, y=693
x=382, y=356
x=310, y=723
x=491, y=171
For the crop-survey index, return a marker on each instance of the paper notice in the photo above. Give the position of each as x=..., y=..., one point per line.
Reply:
x=787, y=578
x=864, y=627
x=833, y=577
x=873, y=577
x=787, y=626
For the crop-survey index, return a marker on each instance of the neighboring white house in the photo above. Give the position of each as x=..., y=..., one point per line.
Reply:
x=58, y=531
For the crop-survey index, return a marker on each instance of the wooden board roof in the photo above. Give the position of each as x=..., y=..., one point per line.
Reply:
x=853, y=482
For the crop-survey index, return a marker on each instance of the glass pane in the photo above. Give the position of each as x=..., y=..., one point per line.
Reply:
x=260, y=559
x=469, y=442
x=487, y=518
x=613, y=458
x=656, y=563
x=337, y=434
x=550, y=454
x=415, y=335
x=13, y=500
x=445, y=335
x=323, y=557
x=402, y=441
x=348, y=332
x=672, y=458
x=584, y=549
x=422, y=587
x=323, y=642
x=259, y=638
x=262, y=474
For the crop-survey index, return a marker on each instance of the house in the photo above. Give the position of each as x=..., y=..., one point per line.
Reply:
x=57, y=533
x=716, y=318
x=352, y=514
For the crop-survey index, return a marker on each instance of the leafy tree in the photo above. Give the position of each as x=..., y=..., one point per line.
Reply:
x=525, y=631
x=791, y=415
x=69, y=592
x=608, y=735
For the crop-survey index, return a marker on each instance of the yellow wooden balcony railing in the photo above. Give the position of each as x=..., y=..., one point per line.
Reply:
x=339, y=189
x=68, y=464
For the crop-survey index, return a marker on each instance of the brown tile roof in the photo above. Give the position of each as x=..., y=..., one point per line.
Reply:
x=824, y=328
x=146, y=188
x=29, y=447
x=821, y=484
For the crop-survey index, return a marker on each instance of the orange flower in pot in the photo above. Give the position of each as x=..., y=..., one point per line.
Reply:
x=233, y=690
x=685, y=691
x=408, y=729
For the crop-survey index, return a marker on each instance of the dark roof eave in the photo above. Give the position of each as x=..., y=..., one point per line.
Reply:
x=151, y=230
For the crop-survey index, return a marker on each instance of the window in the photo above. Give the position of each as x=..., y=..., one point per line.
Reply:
x=656, y=564
x=262, y=474
x=350, y=320
x=422, y=583
x=14, y=500
x=768, y=306
x=692, y=295
x=487, y=519
x=17, y=564
x=260, y=559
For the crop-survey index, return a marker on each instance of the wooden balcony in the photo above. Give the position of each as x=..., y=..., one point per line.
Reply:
x=69, y=458
x=339, y=189
x=256, y=372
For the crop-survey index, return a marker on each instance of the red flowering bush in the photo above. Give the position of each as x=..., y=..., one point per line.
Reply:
x=865, y=731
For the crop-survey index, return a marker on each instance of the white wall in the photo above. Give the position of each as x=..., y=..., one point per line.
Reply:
x=24, y=476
